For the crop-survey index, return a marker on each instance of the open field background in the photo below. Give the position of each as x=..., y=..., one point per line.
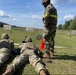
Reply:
x=64, y=62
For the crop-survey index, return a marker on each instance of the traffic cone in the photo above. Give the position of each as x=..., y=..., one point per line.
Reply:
x=42, y=44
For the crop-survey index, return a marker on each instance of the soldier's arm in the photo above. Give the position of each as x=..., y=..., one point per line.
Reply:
x=24, y=47
x=12, y=45
x=20, y=45
x=46, y=16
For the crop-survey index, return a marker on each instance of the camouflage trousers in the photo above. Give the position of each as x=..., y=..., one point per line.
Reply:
x=4, y=55
x=48, y=34
x=34, y=60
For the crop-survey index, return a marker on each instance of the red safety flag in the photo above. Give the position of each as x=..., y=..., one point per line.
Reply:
x=42, y=44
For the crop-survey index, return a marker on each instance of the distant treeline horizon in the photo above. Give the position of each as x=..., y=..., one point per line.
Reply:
x=2, y=24
x=68, y=25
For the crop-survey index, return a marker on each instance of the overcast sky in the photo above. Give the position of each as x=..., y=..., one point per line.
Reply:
x=28, y=13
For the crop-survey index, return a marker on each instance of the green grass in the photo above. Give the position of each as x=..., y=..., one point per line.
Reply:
x=64, y=61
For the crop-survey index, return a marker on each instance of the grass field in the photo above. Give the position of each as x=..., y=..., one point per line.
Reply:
x=64, y=62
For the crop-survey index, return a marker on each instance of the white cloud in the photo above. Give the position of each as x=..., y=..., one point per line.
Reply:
x=56, y=1
x=1, y=13
x=62, y=1
x=53, y=1
x=27, y=6
x=12, y=18
x=36, y=17
x=60, y=19
x=67, y=17
x=5, y=15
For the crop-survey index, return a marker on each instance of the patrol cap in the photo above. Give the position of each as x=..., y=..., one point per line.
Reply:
x=28, y=39
x=45, y=1
x=5, y=36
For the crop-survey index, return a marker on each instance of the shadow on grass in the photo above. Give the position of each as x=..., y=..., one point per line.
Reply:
x=65, y=57
x=4, y=65
x=18, y=71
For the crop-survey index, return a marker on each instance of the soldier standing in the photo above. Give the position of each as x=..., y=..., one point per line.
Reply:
x=27, y=52
x=50, y=22
x=6, y=46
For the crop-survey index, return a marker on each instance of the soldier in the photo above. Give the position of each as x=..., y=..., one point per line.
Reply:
x=6, y=46
x=27, y=52
x=50, y=22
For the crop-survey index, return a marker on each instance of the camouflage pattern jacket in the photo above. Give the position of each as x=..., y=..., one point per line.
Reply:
x=31, y=47
x=50, y=16
x=5, y=43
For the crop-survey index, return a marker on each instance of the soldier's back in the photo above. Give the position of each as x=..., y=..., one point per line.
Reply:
x=4, y=43
x=28, y=45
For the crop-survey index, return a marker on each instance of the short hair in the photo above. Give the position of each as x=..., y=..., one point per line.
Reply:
x=28, y=39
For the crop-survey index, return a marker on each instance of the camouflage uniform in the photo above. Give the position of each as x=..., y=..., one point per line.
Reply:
x=6, y=46
x=27, y=53
x=50, y=22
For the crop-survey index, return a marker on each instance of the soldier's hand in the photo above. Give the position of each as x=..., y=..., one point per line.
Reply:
x=53, y=31
x=45, y=25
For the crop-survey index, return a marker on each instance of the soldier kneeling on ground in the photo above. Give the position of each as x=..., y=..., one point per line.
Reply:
x=27, y=51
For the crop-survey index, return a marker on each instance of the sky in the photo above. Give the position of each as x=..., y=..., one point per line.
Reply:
x=28, y=13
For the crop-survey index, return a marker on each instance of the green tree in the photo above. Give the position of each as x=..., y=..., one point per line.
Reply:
x=66, y=25
x=75, y=18
x=73, y=25
x=60, y=27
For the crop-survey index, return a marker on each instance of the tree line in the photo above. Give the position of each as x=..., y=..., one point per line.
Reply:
x=68, y=25
x=2, y=24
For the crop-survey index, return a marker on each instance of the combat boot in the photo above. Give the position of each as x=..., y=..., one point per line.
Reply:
x=8, y=71
x=44, y=72
x=52, y=53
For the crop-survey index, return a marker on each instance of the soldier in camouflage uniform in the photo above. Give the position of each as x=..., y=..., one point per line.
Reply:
x=27, y=52
x=6, y=46
x=50, y=22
